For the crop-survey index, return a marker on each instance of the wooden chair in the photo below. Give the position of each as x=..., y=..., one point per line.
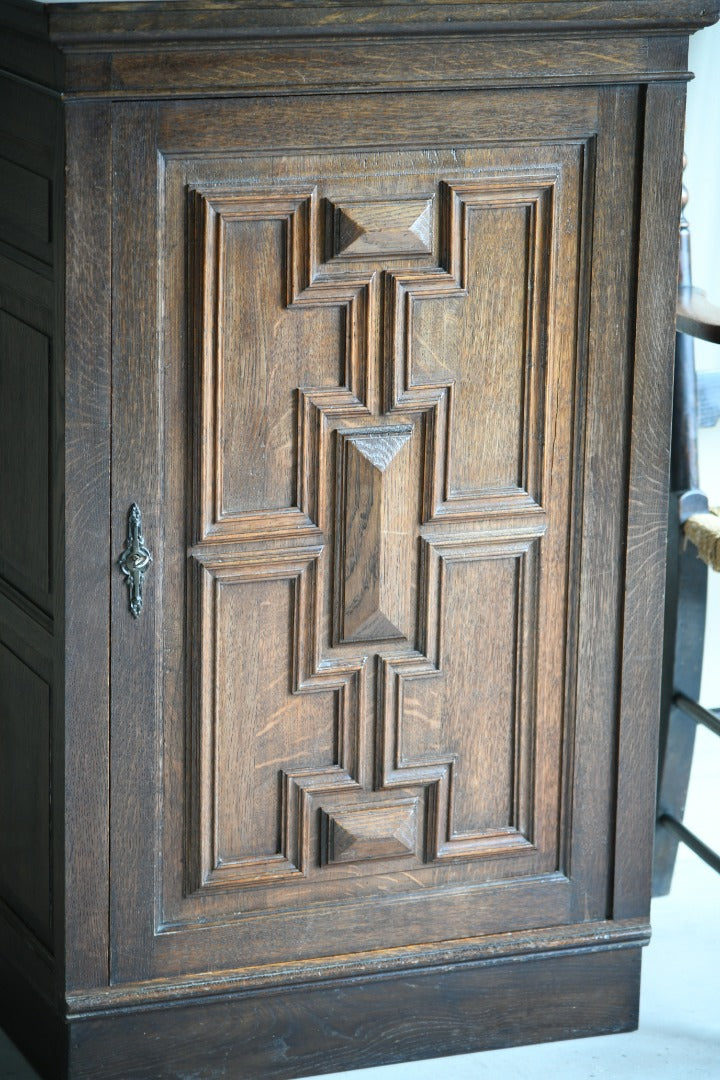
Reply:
x=693, y=547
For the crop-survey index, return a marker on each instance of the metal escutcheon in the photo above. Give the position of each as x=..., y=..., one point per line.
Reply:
x=135, y=559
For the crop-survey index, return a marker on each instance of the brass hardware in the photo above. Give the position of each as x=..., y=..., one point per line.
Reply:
x=135, y=559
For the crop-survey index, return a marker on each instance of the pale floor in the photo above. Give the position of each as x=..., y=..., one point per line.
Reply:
x=679, y=1034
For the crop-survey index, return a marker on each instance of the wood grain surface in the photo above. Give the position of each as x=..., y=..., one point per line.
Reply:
x=369, y=309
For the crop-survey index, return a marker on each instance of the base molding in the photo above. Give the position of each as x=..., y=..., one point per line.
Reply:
x=327, y=1027
x=557, y=941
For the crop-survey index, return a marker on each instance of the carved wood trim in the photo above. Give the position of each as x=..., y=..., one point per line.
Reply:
x=489, y=948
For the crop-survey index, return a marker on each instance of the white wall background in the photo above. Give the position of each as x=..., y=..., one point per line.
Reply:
x=702, y=178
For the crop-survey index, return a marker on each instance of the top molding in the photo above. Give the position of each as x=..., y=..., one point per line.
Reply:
x=122, y=49
x=89, y=21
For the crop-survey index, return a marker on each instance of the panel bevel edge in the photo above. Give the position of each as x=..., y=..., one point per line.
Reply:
x=586, y=202
x=346, y=679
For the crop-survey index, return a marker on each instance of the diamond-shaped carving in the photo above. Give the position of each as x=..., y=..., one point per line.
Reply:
x=368, y=229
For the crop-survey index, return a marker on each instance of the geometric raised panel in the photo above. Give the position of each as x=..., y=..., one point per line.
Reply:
x=379, y=228
x=376, y=522
x=493, y=334
x=244, y=725
x=400, y=643
x=359, y=833
x=255, y=346
x=462, y=720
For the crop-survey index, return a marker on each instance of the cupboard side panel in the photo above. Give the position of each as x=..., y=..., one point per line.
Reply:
x=30, y=491
x=137, y=477
x=648, y=496
x=84, y=643
x=600, y=519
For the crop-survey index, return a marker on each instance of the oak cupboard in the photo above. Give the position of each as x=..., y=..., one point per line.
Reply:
x=335, y=379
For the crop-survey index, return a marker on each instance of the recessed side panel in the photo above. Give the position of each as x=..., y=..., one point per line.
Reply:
x=25, y=795
x=482, y=696
x=26, y=199
x=24, y=458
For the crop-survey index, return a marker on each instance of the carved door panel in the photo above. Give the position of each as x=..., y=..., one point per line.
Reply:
x=371, y=364
x=372, y=378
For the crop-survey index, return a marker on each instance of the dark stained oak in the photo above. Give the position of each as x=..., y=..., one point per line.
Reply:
x=647, y=508
x=85, y=509
x=369, y=309
x=350, y=1024
x=401, y=509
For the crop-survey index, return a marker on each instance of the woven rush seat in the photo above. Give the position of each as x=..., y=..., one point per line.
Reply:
x=703, y=530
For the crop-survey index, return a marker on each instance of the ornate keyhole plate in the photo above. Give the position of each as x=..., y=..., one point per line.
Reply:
x=135, y=560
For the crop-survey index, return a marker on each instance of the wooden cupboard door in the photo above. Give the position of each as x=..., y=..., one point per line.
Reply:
x=363, y=597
